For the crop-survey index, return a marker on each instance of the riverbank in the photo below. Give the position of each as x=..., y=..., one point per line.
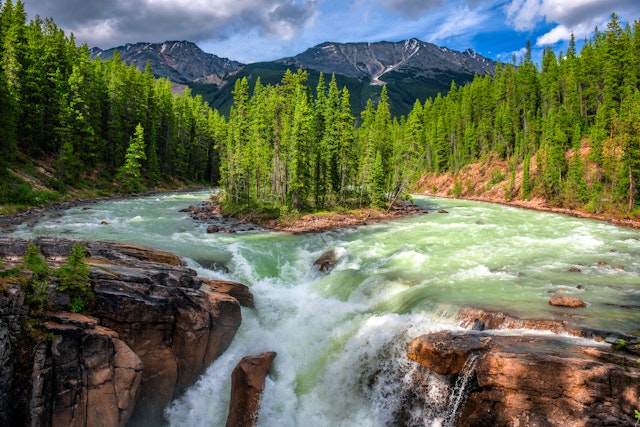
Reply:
x=478, y=182
x=209, y=211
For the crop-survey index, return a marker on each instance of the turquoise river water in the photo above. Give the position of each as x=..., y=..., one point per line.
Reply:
x=341, y=337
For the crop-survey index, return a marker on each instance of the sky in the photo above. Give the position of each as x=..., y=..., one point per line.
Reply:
x=264, y=30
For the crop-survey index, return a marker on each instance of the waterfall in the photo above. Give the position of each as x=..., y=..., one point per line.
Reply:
x=459, y=391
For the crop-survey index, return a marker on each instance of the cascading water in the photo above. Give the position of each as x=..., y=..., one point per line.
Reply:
x=458, y=393
x=341, y=337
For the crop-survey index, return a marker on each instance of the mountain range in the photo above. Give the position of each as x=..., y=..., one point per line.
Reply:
x=411, y=69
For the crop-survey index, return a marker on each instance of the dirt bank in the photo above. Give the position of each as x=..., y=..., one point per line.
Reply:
x=493, y=184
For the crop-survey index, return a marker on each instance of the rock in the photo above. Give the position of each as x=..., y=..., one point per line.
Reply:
x=237, y=290
x=213, y=229
x=149, y=308
x=535, y=380
x=442, y=211
x=566, y=301
x=444, y=353
x=327, y=260
x=247, y=383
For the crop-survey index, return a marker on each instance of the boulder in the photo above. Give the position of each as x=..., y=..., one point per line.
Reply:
x=247, y=383
x=237, y=290
x=566, y=301
x=535, y=380
x=327, y=260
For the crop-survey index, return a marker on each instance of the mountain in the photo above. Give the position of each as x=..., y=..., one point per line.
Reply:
x=180, y=61
x=411, y=69
x=375, y=61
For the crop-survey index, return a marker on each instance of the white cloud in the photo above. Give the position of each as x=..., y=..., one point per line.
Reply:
x=579, y=17
x=463, y=23
x=562, y=33
x=523, y=15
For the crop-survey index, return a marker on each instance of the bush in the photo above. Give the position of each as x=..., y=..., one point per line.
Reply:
x=73, y=277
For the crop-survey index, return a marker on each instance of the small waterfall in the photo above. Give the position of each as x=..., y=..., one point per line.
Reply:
x=459, y=390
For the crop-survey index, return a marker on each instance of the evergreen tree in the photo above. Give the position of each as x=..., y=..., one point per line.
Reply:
x=129, y=174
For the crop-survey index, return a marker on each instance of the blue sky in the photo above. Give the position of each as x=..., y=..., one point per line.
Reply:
x=264, y=30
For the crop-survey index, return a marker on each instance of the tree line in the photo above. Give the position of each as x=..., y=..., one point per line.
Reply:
x=572, y=125
x=569, y=126
x=92, y=117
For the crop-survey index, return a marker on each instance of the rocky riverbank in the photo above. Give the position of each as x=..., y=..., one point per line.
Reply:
x=153, y=328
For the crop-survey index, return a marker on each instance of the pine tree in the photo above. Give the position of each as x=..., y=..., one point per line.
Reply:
x=130, y=173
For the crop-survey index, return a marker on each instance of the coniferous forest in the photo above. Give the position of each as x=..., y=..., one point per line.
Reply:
x=570, y=124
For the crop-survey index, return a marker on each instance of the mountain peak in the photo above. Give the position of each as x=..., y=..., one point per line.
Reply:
x=180, y=61
x=375, y=60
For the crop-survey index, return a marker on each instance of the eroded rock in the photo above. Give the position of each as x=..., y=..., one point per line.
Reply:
x=155, y=327
x=535, y=380
x=247, y=384
x=239, y=291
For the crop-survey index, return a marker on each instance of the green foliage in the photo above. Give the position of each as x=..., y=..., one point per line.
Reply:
x=36, y=263
x=129, y=175
x=73, y=278
x=36, y=286
x=457, y=189
x=283, y=144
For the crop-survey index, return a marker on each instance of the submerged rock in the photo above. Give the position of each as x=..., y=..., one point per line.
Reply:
x=247, y=384
x=328, y=260
x=566, y=301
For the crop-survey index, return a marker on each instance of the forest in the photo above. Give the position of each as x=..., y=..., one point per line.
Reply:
x=570, y=125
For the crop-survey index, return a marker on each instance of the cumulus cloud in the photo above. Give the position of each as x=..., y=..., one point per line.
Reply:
x=579, y=17
x=110, y=23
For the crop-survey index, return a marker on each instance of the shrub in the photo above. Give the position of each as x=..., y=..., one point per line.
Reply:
x=73, y=277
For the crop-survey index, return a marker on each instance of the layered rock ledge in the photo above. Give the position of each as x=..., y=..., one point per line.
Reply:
x=532, y=379
x=152, y=330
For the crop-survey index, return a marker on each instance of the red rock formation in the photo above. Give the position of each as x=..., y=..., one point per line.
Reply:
x=247, y=383
x=535, y=380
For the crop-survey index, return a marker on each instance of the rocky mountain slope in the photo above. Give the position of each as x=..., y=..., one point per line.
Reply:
x=180, y=61
x=410, y=59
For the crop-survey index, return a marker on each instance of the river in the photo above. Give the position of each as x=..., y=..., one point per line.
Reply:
x=341, y=337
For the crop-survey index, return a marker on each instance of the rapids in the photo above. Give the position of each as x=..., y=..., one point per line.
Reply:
x=341, y=337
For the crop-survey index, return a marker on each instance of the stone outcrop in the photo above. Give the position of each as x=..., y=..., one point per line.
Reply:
x=566, y=301
x=247, y=384
x=532, y=380
x=154, y=327
x=237, y=290
x=104, y=371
